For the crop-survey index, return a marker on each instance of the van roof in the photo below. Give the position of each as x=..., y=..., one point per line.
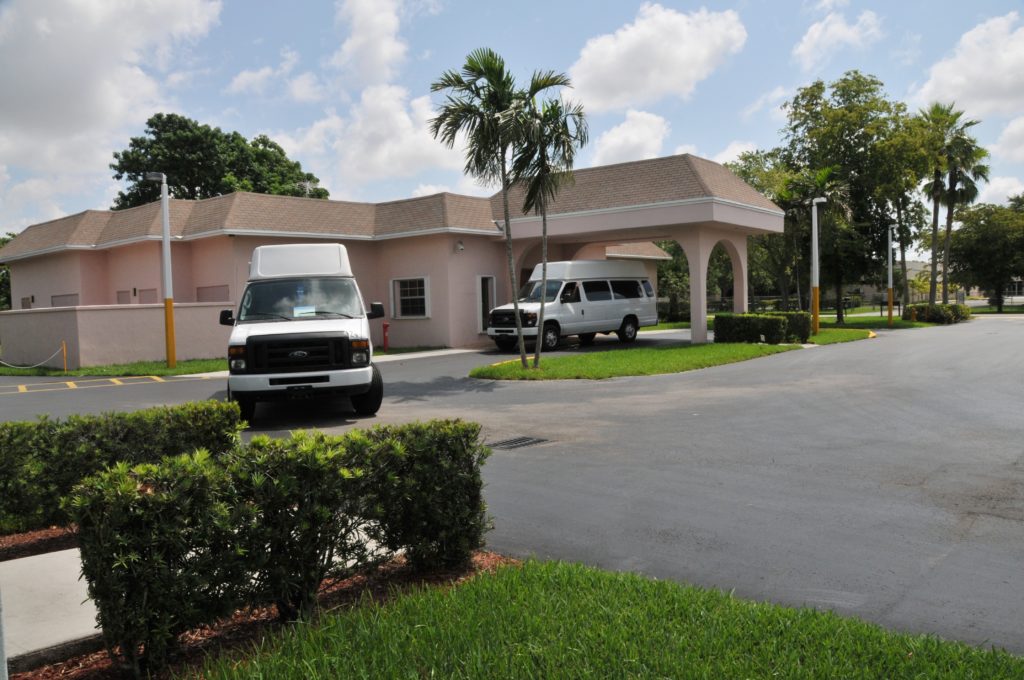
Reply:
x=592, y=269
x=299, y=259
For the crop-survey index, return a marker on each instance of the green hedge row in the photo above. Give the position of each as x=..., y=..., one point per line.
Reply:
x=772, y=328
x=171, y=546
x=937, y=313
x=41, y=461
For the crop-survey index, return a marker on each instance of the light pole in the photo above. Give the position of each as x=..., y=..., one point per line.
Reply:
x=890, y=275
x=168, y=287
x=815, y=292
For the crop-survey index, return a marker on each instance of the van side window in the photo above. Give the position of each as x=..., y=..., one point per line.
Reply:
x=626, y=289
x=597, y=290
x=648, y=288
x=571, y=293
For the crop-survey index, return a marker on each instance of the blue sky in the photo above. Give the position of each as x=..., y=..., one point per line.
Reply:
x=344, y=86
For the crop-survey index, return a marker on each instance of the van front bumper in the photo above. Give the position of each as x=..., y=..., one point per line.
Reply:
x=267, y=386
x=528, y=332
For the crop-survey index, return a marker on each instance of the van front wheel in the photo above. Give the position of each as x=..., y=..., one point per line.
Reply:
x=550, y=337
x=627, y=331
x=368, y=403
x=247, y=405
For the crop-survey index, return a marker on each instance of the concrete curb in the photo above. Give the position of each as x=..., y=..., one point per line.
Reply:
x=30, y=661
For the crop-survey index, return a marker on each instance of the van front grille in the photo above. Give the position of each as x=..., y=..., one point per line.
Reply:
x=297, y=352
x=503, y=318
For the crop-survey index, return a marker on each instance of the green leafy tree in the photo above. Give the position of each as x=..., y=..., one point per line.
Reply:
x=478, y=98
x=202, y=162
x=1017, y=203
x=5, y=276
x=548, y=133
x=987, y=251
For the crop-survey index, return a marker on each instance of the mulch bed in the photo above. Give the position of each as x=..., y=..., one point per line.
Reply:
x=248, y=626
x=38, y=542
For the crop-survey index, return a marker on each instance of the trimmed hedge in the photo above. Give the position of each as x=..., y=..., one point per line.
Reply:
x=41, y=461
x=798, y=325
x=938, y=313
x=168, y=547
x=750, y=328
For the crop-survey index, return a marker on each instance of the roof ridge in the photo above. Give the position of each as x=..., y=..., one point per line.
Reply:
x=697, y=174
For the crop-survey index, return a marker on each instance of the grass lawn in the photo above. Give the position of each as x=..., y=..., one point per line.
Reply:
x=555, y=620
x=620, y=362
x=873, y=322
x=831, y=336
x=1007, y=309
x=137, y=368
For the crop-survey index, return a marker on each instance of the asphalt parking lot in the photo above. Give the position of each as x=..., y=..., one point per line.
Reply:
x=882, y=479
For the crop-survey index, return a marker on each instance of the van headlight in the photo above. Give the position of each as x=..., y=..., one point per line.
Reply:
x=360, y=352
x=236, y=358
x=530, y=319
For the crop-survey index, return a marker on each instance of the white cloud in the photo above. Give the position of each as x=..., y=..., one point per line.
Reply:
x=909, y=50
x=80, y=78
x=832, y=34
x=830, y=5
x=999, y=189
x=373, y=49
x=662, y=53
x=1011, y=141
x=255, y=81
x=985, y=73
x=316, y=140
x=429, y=189
x=772, y=100
x=306, y=87
x=639, y=136
x=686, y=148
x=733, y=151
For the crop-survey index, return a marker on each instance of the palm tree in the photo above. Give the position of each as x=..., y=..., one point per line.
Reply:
x=956, y=159
x=964, y=169
x=477, y=99
x=549, y=133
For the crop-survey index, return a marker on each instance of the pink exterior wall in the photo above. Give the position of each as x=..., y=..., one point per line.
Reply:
x=44, y=277
x=133, y=268
x=479, y=256
x=96, y=336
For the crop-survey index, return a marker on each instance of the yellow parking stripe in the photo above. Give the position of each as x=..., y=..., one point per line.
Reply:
x=71, y=385
x=88, y=383
x=116, y=381
x=156, y=378
x=23, y=388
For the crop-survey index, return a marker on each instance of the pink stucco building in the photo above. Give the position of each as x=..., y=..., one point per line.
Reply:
x=438, y=262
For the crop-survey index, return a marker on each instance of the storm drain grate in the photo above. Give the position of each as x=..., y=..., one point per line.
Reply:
x=516, y=443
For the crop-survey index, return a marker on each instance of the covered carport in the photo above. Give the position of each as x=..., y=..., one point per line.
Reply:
x=693, y=201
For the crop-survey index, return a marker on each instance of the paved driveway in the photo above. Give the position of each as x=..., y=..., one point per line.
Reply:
x=883, y=479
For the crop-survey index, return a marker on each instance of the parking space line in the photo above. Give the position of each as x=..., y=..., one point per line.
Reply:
x=71, y=385
x=91, y=383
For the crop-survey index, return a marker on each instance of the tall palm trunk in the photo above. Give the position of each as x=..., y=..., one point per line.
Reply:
x=903, y=253
x=511, y=261
x=950, y=207
x=936, y=197
x=543, y=279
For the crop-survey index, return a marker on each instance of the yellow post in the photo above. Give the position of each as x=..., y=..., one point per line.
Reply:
x=815, y=300
x=169, y=331
x=64, y=349
x=890, y=308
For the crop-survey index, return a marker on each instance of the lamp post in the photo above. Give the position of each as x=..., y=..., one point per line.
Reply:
x=168, y=287
x=815, y=291
x=890, y=275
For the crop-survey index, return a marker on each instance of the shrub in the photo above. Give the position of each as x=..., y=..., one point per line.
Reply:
x=159, y=553
x=769, y=329
x=938, y=313
x=424, y=483
x=52, y=456
x=302, y=519
x=798, y=325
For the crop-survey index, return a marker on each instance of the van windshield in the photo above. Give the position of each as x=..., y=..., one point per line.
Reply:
x=300, y=298
x=531, y=291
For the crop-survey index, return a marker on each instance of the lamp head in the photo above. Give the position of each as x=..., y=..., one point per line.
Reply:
x=819, y=200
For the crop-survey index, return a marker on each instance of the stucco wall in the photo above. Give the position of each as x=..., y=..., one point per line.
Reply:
x=133, y=268
x=44, y=277
x=110, y=334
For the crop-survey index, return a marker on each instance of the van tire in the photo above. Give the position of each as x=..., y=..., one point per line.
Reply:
x=587, y=339
x=246, y=405
x=368, y=403
x=505, y=344
x=550, y=337
x=627, y=331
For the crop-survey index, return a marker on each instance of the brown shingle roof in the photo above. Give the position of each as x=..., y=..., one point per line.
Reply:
x=657, y=180
x=645, y=251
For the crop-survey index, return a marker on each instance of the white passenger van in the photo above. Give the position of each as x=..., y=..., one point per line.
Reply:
x=583, y=298
x=302, y=330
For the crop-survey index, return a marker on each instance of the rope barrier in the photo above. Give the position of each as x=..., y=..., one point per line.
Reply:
x=62, y=348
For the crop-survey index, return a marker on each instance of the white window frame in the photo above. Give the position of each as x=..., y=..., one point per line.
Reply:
x=393, y=296
x=479, y=299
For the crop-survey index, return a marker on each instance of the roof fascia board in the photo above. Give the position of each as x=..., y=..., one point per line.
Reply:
x=662, y=204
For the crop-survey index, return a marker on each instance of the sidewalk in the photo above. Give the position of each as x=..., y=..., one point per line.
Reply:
x=44, y=603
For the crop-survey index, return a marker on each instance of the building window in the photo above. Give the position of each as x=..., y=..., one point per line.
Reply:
x=66, y=300
x=410, y=299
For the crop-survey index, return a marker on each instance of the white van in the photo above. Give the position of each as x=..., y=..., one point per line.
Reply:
x=302, y=330
x=583, y=298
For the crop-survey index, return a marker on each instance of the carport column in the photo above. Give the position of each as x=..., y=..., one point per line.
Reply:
x=697, y=247
x=739, y=273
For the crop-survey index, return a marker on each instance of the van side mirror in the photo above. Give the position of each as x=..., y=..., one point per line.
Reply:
x=376, y=310
x=227, y=317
